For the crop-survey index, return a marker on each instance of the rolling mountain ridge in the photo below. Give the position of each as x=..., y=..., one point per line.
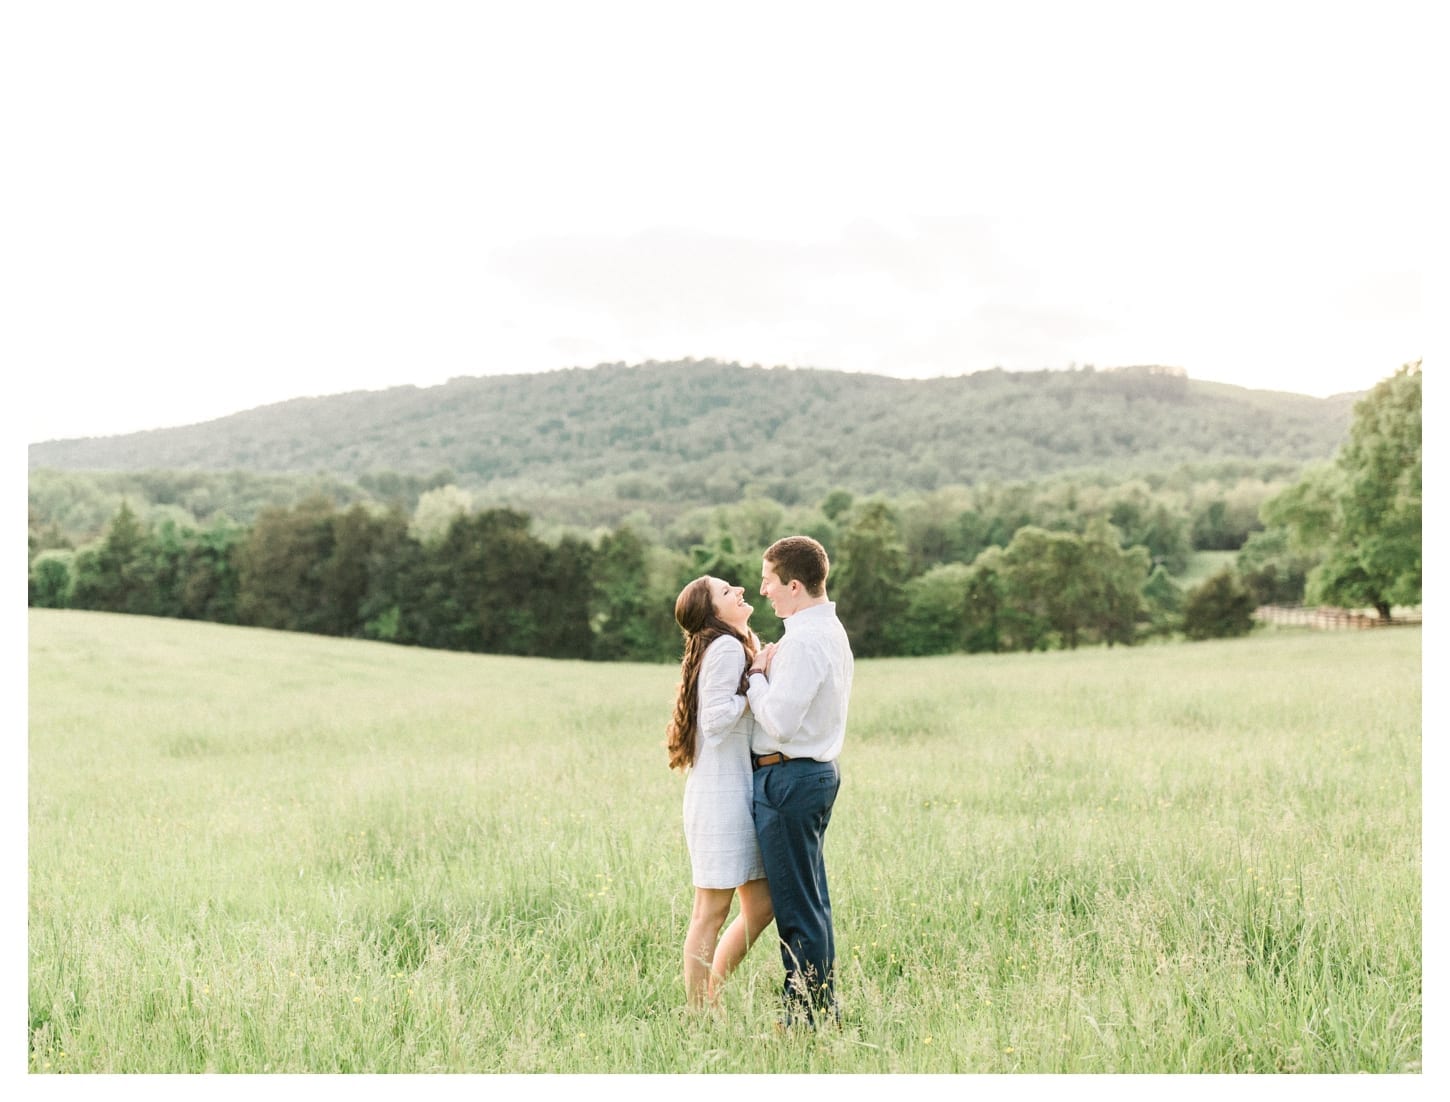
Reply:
x=710, y=431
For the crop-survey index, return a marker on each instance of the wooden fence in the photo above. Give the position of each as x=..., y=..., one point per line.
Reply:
x=1333, y=619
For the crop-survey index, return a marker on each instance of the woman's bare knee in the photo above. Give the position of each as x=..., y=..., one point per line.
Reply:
x=712, y=907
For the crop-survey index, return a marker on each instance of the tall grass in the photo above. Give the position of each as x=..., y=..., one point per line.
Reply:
x=260, y=852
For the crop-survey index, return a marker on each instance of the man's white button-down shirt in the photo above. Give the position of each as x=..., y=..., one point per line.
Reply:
x=801, y=709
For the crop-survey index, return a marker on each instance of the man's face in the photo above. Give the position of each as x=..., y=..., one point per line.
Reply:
x=784, y=597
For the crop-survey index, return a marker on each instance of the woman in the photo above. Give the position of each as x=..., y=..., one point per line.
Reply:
x=709, y=738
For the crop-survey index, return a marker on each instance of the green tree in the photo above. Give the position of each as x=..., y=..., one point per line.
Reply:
x=50, y=579
x=1114, y=583
x=723, y=558
x=1306, y=511
x=619, y=603
x=490, y=578
x=209, y=579
x=867, y=580
x=1164, y=535
x=47, y=534
x=393, y=565
x=1365, y=512
x=1030, y=567
x=935, y=620
x=1375, y=558
x=932, y=531
x=1066, y=589
x=1162, y=602
x=162, y=560
x=345, y=577
x=970, y=535
x=986, y=608
x=1272, y=570
x=280, y=568
x=562, y=612
x=1218, y=608
x=630, y=621
x=836, y=504
x=115, y=575
x=437, y=509
x=755, y=523
x=1211, y=528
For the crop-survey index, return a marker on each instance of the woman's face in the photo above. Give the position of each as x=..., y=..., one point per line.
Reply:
x=729, y=603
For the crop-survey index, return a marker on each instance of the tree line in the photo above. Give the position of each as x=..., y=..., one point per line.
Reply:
x=1024, y=567
x=484, y=582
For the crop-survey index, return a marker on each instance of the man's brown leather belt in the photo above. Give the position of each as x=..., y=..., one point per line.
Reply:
x=767, y=759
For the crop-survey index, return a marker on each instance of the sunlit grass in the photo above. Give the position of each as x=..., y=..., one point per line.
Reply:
x=1202, y=565
x=252, y=851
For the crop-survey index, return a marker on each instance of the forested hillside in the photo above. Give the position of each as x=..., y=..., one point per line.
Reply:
x=1070, y=559
x=702, y=432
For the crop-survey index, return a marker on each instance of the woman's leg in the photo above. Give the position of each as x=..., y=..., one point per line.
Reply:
x=712, y=906
x=755, y=915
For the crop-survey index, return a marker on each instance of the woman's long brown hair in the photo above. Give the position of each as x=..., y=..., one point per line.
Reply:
x=695, y=613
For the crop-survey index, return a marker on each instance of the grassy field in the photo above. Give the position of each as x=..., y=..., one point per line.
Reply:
x=1202, y=565
x=252, y=851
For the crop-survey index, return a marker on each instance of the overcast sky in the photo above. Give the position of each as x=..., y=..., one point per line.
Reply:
x=218, y=206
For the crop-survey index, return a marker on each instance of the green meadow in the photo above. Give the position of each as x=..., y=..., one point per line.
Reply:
x=252, y=851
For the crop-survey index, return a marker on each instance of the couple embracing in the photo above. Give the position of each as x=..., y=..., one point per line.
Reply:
x=757, y=730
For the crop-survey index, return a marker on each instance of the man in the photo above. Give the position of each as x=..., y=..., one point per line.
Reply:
x=798, y=690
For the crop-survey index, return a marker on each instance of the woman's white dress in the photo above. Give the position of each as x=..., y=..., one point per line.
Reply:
x=719, y=829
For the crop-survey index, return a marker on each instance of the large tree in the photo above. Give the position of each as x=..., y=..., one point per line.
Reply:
x=117, y=574
x=1079, y=588
x=1364, y=512
x=631, y=619
x=280, y=565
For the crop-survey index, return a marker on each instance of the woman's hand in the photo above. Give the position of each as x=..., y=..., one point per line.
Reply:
x=762, y=660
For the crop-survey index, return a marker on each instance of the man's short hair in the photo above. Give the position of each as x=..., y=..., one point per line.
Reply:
x=802, y=559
